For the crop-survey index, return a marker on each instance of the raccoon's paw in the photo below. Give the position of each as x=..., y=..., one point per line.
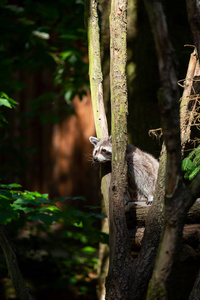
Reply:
x=149, y=201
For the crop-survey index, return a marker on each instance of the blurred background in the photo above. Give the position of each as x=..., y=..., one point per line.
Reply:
x=44, y=142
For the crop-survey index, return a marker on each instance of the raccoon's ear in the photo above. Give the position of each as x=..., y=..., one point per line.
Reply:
x=93, y=140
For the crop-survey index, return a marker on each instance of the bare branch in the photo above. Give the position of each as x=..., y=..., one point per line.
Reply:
x=187, y=116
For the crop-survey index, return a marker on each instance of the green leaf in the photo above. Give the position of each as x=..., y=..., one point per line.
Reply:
x=13, y=186
x=5, y=102
x=7, y=216
x=191, y=164
x=49, y=209
x=88, y=250
x=45, y=218
x=5, y=205
x=80, y=224
x=194, y=173
x=69, y=95
x=3, y=95
x=187, y=164
x=197, y=158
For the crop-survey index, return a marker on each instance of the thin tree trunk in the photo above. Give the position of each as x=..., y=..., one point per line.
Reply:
x=118, y=280
x=95, y=74
x=193, y=11
x=96, y=80
x=21, y=288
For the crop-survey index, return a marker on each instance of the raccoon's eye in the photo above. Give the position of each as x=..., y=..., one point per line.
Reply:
x=104, y=150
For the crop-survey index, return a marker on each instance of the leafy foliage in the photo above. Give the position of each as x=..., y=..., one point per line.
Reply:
x=191, y=164
x=77, y=243
x=37, y=206
x=6, y=102
x=43, y=59
x=38, y=35
x=43, y=42
x=44, y=64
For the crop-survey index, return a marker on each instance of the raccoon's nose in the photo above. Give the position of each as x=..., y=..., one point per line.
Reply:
x=96, y=159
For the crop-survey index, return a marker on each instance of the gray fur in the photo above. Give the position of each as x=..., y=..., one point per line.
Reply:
x=142, y=169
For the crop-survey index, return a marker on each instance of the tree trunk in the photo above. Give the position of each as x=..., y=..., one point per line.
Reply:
x=95, y=74
x=127, y=277
x=144, y=263
x=118, y=280
x=193, y=11
x=21, y=288
x=178, y=199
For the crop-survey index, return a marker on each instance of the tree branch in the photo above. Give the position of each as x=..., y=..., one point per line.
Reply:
x=140, y=213
x=186, y=115
x=190, y=236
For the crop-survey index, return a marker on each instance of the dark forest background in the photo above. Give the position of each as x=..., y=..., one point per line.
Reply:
x=44, y=139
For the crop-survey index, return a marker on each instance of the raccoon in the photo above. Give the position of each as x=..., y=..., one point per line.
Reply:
x=142, y=170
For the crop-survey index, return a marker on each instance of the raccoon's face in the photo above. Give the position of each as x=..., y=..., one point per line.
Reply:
x=102, y=149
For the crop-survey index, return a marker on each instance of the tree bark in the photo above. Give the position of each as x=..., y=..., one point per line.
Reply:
x=95, y=74
x=119, y=285
x=21, y=288
x=190, y=236
x=144, y=263
x=178, y=199
x=118, y=280
x=188, y=82
x=193, y=11
x=140, y=213
x=96, y=81
x=196, y=289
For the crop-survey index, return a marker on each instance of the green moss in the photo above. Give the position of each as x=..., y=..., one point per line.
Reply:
x=156, y=291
